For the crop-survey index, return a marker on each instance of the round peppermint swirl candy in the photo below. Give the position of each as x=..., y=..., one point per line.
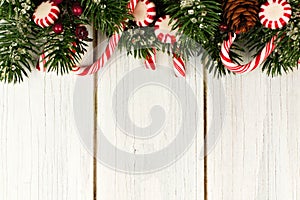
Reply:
x=144, y=13
x=46, y=14
x=275, y=14
x=163, y=30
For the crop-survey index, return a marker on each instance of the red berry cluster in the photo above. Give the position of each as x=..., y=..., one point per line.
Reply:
x=80, y=31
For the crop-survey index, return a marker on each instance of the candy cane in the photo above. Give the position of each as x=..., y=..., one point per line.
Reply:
x=150, y=62
x=109, y=50
x=179, y=66
x=96, y=66
x=164, y=32
x=43, y=59
x=41, y=65
x=260, y=58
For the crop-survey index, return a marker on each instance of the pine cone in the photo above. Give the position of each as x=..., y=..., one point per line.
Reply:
x=240, y=15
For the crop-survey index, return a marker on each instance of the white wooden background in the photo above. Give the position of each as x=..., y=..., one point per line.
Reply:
x=257, y=156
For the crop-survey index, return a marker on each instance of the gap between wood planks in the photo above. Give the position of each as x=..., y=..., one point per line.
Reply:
x=205, y=186
x=95, y=138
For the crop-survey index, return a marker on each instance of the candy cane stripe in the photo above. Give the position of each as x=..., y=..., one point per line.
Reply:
x=259, y=59
x=109, y=50
x=179, y=66
x=150, y=62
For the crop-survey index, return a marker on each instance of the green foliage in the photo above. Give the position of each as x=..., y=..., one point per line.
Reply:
x=63, y=50
x=140, y=41
x=14, y=9
x=193, y=34
x=287, y=53
x=108, y=15
x=198, y=20
x=18, y=50
x=18, y=46
x=213, y=52
x=22, y=41
x=137, y=41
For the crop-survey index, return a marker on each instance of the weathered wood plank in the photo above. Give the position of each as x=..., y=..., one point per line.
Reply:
x=42, y=155
x=141, y=176
x=257, y=156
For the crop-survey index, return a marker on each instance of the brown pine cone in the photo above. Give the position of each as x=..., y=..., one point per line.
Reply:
x=240, y=15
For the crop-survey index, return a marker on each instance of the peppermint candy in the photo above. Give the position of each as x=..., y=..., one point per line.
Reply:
x=163, y=30
x=275, y=14
x=144, y=13
x=46, y=14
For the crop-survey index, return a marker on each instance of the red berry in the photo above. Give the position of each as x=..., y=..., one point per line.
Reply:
x=81, y=32
x=57, y=1
x=77, y=10
x=58, y=28
x=223, y=27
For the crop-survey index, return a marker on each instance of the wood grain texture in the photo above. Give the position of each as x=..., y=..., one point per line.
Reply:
x=183, y=179
x=257, y=157
x=252, y=124
x=41, y=154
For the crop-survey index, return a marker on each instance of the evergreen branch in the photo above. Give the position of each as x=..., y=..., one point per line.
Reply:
x=19, y=47
x=107, y=16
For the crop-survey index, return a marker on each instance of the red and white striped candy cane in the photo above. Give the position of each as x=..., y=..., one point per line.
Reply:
x=96, y=66
x=150, y=62
x=165, y=33
x=43, y=59
x=109, y=50
x=260, y=58
x=179, y=66
x=41, y=65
